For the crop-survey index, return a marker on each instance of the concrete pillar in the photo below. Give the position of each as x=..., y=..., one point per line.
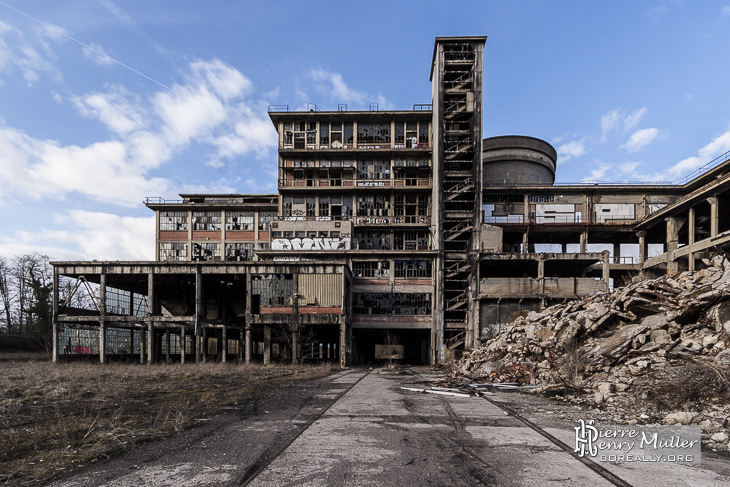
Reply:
x=267, y=345
x=525, y=243
x=642, y=246
x=131, y=344
x=343, y=344
x=714, y=216
x=142, y=342
x=198, y=311
x=249, y=320
x=672, y=244
x=224, y=344
x=691, y=221
x=249, y=345
x=183, y=339
x=295, y=345
x=167, y=345
x=605, y=274
x=241, y=341
x=56, y=351
x=204, y=345
x=102, y=317
x=149, y=338
x=584, y=242
x=150, y=343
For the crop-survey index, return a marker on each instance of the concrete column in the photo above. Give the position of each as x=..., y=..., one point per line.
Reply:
x=131, y=344
x=142, y=342
x=183, y=339
x=714, y=216
x=605, y=275
x=249, y=345
x=526, y=209
x=295, y=306
x=167, y=345
x=525, y=243
x=198, y=311
x=267, y=345
x=249, y=319
x=642, y=246
x=149, y=342
x=241, y=341
x=224, y=344
x=584, y=242
x=672, y=239
x=102, y=317
x=616, y=253
x=691, y=230
x=343, y=344
x=204, y=345
x=56, y=351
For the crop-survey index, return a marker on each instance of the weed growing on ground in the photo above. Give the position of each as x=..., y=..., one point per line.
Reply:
x=55, y=418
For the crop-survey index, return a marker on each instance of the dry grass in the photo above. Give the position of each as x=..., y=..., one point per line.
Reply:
x=56, y=418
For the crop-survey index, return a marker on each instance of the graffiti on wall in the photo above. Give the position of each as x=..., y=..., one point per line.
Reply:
x=310, y=243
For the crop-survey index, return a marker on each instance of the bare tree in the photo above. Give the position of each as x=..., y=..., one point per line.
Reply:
x=6, y=320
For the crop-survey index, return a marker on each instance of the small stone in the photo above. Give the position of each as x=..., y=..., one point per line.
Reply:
x=682, y=417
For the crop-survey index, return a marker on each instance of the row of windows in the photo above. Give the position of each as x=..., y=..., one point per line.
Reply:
x=211, y=220
x=305, y=234
x=410, y=269
x=338, y=135
x=178, y=251
x=391, y=303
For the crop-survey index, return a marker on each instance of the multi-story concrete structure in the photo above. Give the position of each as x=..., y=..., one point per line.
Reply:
x=389, y=226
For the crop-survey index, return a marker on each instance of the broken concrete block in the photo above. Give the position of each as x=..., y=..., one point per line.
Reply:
x=660, y=337
x=682, y=417
x=710, y=427
x=709, y=341
x=720, y=437
x=723, y=358
x=656, y=322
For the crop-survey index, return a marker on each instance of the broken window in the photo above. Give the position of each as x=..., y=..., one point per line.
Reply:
x=173, y=251
x=412, y=269
x=239, y=251
x=410, y=240
x=206, y=220
x=423, y=130
x=373, y=205
x=373, y=133
x=411, y=208
x=206, y=251
x=348, y=135
x=272, y=289
x=391, y=303
x=378, y=269
x=174, y=221
x=265, y=218
x=240, y=220
x=373, y=169
x=373, y=240
x=324, y=134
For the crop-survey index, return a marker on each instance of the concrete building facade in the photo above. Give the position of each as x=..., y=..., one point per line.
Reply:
x=394, y=234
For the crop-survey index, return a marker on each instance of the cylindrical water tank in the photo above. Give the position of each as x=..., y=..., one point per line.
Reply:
x=517, y=159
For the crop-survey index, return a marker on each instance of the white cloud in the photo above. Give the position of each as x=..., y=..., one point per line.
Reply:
x=94, y=235
x=17, y=53
x=208, y=110
x=616, y=119
x=114, y=109
x=716, y=147
x=599, y=173
x=640, y=139
x=726, y=11
x=336, y=87
x=569, y=150
x=97, y=54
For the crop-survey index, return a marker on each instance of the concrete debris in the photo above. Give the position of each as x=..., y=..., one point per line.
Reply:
x=610, y=349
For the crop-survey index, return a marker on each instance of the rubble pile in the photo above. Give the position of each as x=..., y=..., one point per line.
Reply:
x=612, y=349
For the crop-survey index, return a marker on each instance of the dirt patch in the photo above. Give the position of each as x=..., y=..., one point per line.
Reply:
x=55, y=419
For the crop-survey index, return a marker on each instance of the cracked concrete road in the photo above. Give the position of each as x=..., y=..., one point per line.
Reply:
x=360, y=428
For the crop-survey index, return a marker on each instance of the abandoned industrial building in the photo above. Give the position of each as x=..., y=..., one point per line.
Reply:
x=404, y=228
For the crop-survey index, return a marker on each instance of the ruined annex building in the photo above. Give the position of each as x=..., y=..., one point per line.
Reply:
x=389, y=227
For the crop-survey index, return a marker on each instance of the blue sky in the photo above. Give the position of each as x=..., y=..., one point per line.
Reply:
x=103, y=103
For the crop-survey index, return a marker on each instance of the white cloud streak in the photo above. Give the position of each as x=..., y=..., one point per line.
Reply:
x=570, y=150
x=640, y=139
